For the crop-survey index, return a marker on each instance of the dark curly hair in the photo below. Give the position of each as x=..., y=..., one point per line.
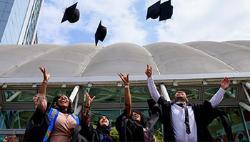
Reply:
x=55, y=104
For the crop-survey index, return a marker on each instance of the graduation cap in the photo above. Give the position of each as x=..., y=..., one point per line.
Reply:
x=100, y=33
x=164, y=10
x=154, y=10
x=71, y=14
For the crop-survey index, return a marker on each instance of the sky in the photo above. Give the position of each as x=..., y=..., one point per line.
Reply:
x=192, y=20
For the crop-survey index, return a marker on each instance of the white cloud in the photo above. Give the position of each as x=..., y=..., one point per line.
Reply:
x=192, y=20
x=50, y=30
x=119, y=17
x=206, y=20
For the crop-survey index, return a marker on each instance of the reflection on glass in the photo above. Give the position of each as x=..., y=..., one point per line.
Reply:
x=217, y=131
x=138, y=93
x=209, y=92
x=19, y=95
x=106, y=94
x=14, y=119
x=27, y=95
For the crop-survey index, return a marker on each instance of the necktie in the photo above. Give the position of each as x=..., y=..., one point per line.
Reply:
x=187, y=120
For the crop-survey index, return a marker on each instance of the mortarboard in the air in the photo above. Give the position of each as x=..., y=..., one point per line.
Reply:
x=71, y=14
x=100, y=33
x=166, y=10
x=154, y=10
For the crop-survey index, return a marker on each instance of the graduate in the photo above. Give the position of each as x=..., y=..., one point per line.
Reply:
x=99, y=134
x=55, y=122
x=131, y=125
x=183, y=121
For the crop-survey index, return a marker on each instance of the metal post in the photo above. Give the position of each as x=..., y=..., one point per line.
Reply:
x=246, y=93
x=244, y=122
x=74, y=93
x=164, y=92
x=76, y=102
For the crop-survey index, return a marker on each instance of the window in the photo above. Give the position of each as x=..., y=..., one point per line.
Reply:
x=217, y=131
x=210, y=91
x=14, y=119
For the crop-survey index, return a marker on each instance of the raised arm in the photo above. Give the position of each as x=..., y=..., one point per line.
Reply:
x=43, y=87
x=127, y=95
x=85, y=113
x=40, y=99
x=151, y=85
x=217, y=98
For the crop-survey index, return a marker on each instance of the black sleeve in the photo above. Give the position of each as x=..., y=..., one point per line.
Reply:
x=164, y=107
x=161, y=101
x=87, y=130
x=36, y=127
x=119, y=121
x=206, y=112
x=154, y=113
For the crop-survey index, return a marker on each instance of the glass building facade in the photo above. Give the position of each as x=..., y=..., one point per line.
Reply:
x=18, y=21
x=18, y=106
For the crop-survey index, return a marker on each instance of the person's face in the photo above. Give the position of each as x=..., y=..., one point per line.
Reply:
x=104, y=121
x=10, y=139
x=63, y=101
x=181, y=96
x=136, y=116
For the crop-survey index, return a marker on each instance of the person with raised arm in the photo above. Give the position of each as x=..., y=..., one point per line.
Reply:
x=99, y=134
x=57, y=121
x=131, y=124
x=183, y=121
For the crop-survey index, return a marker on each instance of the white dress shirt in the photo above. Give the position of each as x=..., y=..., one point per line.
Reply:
x=178, y=114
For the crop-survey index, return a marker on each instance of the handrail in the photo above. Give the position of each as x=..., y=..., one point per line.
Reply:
x=245, y=106
x=13, y=96
x=11, y=131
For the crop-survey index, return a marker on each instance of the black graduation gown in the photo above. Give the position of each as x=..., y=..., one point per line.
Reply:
x=129, y=130
x=36, y=127
x=204, y=114
x=92, y=134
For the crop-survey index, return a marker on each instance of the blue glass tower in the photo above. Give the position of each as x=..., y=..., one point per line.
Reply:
x=18, y=21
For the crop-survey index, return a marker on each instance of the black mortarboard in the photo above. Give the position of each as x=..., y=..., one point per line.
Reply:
x=154, y=10
x=166, y=10
x=100, y=33
x=71, y=14
x=163, y=10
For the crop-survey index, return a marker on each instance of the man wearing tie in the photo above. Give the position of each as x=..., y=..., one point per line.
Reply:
x=183, y=121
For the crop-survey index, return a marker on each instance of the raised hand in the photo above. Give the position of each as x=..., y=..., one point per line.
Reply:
x=149, y=71
x=89, y=100
x=124, y=78
x=224, y=84
x=46, y=75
